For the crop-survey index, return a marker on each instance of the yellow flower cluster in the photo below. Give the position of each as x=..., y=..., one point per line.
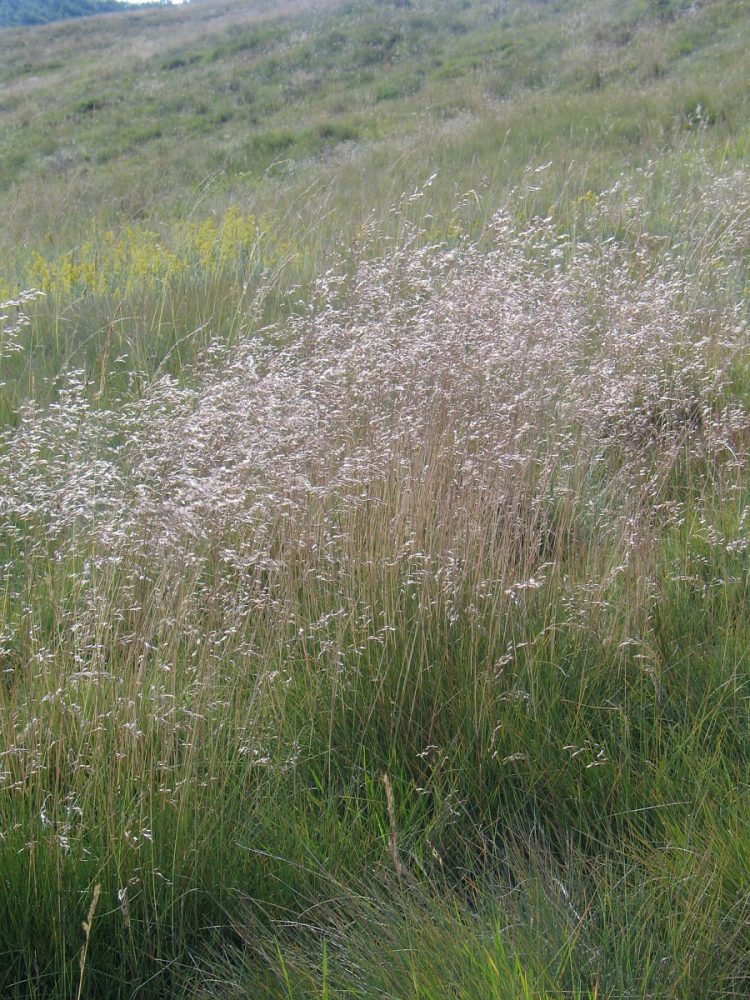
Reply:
x=138, y=258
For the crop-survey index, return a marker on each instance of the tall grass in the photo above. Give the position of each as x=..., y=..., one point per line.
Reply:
x=471, y=514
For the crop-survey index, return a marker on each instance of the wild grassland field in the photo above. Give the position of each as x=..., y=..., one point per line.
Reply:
x=375, y=505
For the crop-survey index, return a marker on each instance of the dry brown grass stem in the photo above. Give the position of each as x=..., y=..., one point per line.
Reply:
x=87, y=925
x=393, y=839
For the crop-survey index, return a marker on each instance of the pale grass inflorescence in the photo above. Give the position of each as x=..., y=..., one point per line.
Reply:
x=14, y=320
x=453, y=406
x=462, y=363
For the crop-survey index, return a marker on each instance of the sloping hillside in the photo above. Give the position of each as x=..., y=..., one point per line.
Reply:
x=165, y=98
x=188, y=112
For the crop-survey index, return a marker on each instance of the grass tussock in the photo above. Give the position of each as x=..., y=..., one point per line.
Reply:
x=472, y=515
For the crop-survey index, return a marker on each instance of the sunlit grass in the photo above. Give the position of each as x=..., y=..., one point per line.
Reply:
x=472, y=516
x=374, y=511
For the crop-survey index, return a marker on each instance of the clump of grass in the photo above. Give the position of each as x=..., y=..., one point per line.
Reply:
x=472, y=515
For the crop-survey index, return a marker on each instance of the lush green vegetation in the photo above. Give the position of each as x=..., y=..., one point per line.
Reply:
x=374, y=502
x=16, y=13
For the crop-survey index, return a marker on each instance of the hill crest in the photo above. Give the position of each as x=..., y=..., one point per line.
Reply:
x=23, y=13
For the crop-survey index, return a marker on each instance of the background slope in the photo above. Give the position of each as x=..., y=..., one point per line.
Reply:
x=14, y=13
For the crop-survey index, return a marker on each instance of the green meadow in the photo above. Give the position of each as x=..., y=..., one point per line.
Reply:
x=375, y=502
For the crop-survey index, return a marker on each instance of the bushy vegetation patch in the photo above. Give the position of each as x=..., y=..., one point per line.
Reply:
x=418, y=622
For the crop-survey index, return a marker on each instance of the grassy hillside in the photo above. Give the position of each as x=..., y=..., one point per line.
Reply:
x=374, y=502
x=302, y=120
x=16, y=13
